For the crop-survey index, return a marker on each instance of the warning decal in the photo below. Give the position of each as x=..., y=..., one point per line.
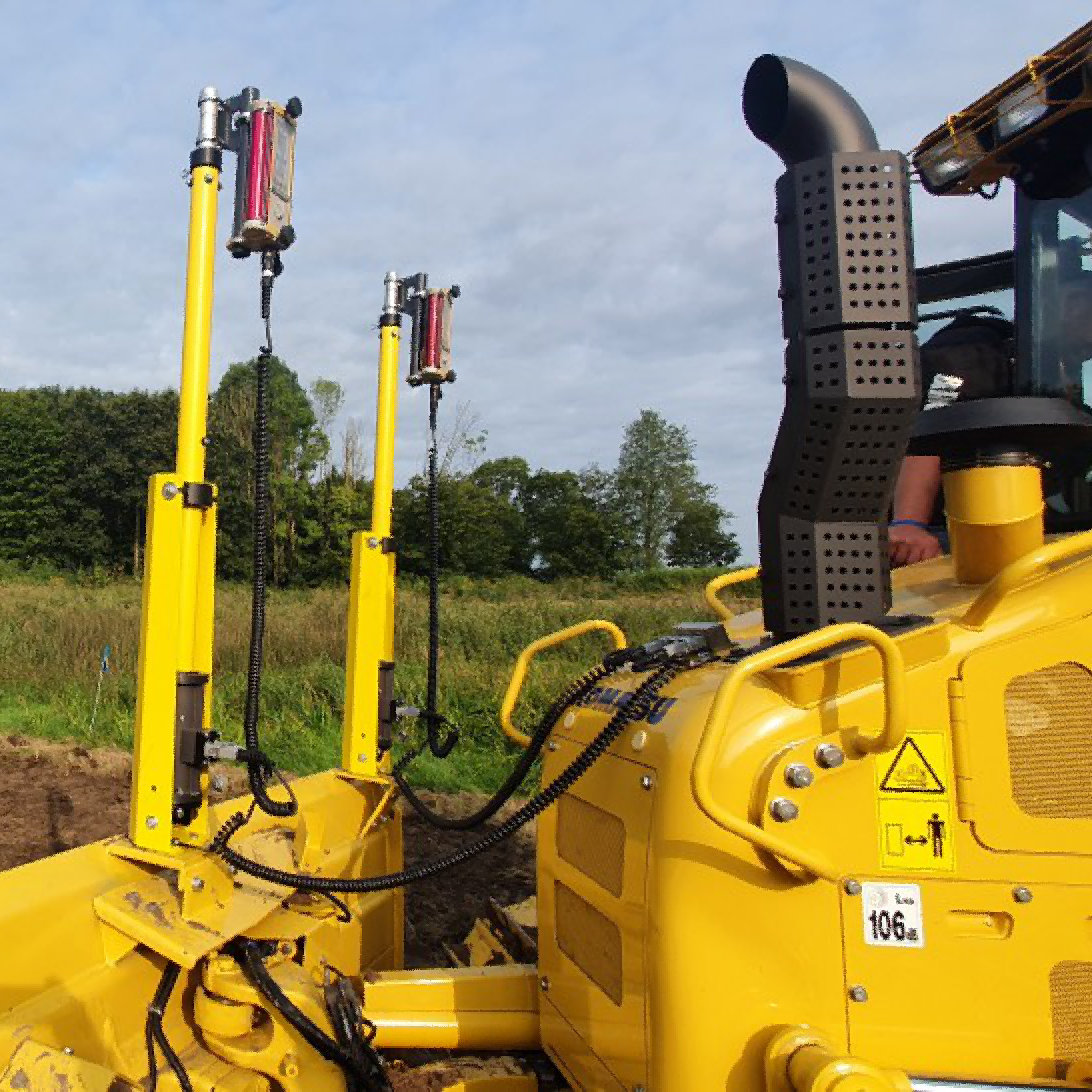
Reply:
x=914, y=807
x=911, y=771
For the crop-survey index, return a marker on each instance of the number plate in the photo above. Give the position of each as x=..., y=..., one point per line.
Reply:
x=892, y=915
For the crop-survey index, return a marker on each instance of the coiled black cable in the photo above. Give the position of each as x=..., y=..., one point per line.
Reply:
x=575, y=692
x=260, y=769
x=361, y=1076
x=434, y=720
x=637, y=708
x=154, y=1035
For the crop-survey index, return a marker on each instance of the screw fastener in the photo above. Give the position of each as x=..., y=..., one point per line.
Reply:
x=798, y=776
x=197, y=884
x=783, y=810
x=170, y=491
x=544, y=982
x=218, y=783
x=1022, y=894
x=858, y=993
x=852, y=887
x=646, y=782
x=829, y=756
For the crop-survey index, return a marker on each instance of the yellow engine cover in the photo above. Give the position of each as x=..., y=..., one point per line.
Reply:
x=956, y=942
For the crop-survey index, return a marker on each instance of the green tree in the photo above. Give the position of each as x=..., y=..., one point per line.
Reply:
x=75, y=465
x=478, y=529
x=655, y=480
x=297, y=445
x=698, y=537
x=572, y=534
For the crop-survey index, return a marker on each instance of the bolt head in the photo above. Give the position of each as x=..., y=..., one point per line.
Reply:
x=544, y=982
x=852, y=887
x=798, y=776
x=646, y=782
x=640, y=738
x=373, y=543
x=858, y=994
x=197, y=884
x=829, y=756
x=170, y=491
x=362, y=758
x=1022, y=894
x=219, y=783
x=552, y=745
x=151, y=822
x=68, y=1050
x=783, y=809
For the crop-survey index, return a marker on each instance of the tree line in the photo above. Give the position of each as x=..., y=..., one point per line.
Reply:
x=74, y=465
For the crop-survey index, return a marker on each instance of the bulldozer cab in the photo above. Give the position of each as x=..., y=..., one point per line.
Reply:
x=1035, y=130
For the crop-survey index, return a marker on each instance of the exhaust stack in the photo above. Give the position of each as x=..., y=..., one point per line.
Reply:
x=852, y=377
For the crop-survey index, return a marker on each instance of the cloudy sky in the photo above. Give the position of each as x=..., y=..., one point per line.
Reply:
x=580, y=168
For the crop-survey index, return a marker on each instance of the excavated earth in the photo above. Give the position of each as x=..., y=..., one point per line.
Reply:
x=59, y=796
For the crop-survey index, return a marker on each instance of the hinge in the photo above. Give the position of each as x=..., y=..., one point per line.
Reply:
x=961, y=749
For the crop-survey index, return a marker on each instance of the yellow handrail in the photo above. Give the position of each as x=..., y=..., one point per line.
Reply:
x=551, y=640
x=1019, y=572
x=726, y=580
x=891, y=735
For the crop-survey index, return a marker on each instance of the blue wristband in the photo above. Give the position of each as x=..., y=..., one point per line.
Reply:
x=908, y=523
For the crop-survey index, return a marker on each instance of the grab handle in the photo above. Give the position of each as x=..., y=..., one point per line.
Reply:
x=726, y=580
x=523, y=664
x=1021, y=571
x=890, y=736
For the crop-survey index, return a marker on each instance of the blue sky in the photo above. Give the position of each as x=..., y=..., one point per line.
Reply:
x=581, y=169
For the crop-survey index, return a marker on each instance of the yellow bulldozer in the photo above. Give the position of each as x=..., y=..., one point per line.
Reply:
x=841, y=843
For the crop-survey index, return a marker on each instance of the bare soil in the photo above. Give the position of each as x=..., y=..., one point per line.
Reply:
x=59, y=796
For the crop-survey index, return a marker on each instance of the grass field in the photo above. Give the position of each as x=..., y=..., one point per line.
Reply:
x=53, y=631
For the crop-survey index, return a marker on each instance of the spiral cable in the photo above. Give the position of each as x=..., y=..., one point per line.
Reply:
x=572, y=694
x=637, y=708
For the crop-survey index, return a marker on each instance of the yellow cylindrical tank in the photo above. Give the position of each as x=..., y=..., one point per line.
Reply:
x=995, y=515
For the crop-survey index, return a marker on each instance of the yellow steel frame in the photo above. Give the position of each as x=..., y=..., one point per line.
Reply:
x=718, y=722
x=523, y=665
x=179, y=578
x=371, y=586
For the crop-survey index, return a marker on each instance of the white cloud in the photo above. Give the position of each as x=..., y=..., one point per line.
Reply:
x=581, y=169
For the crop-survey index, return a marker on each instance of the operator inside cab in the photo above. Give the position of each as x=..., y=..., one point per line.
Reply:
x=975, y=356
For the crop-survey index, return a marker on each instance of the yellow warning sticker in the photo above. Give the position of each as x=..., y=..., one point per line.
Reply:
x=913, y=795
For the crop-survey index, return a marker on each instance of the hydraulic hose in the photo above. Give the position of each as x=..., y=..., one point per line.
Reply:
x=359, y=1077
x=155, y=1036
x=573, y=693
x=259, y=768
x=637, y=708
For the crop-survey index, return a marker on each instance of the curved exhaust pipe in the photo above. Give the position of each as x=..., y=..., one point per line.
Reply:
x=801, y=113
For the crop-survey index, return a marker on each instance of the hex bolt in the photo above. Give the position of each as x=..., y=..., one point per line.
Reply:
x=170, y=491
x=858, y=993
x=151, y=822
x=362, y=758
x=1022, y=894
x=798, y=776
x=852, y=887
x=68, y=1050
x=552, y=745
x=209, y=179
x=197, y=884
x=373, y=543
x=646, y=782
x=218, y=783
x=829, y=756
x=783, y=809
x=544, y=982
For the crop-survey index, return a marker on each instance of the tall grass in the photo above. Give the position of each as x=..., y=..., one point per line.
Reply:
x=53, y=631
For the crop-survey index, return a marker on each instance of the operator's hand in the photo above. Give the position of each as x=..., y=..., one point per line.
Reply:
x=907, y=545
